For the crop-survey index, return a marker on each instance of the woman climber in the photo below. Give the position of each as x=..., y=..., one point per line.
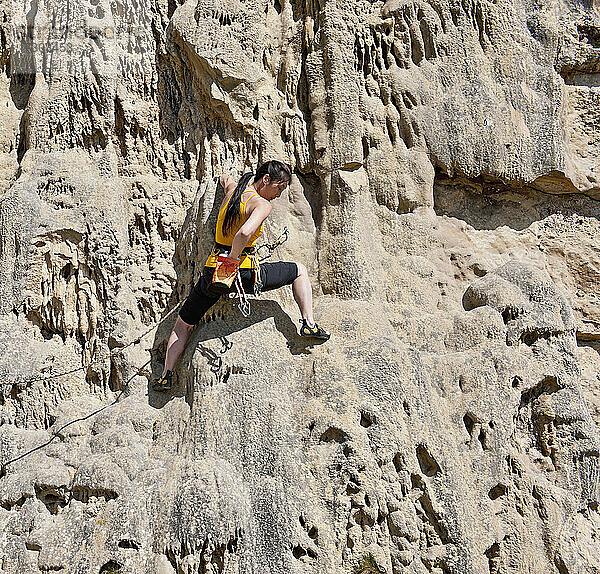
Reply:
x=233, y=261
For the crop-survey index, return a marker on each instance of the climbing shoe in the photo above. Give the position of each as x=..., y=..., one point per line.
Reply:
x=164, y=383
x=313, y=332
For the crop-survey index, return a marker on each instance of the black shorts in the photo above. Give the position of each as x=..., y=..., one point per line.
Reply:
x=272, y=275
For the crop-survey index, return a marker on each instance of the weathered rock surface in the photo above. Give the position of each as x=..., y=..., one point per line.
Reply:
x=445, y=201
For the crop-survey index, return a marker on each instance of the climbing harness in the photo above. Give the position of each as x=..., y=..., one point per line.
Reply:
x=243, y=303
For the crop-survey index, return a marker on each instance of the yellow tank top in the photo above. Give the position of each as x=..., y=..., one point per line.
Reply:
x=246, y=262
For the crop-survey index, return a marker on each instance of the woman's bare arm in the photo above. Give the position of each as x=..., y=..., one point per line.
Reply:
x=227, y=182
x=259, y=210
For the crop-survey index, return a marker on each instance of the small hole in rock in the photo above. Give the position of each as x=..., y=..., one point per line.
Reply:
x=111, y=567
x=398, y=463
x=416, y=481
x=493, y=555
x=498, y=491
x=483, y=439
x=365, y=420
x=66, y=271
x=298, y=552
x=469, y=422
x=333, y=434
x=365, y=146
x=530, y=337
x=129, y=544
x=428, y=464
x=351, y=488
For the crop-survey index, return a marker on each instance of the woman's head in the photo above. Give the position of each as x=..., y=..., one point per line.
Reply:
x=270, y=180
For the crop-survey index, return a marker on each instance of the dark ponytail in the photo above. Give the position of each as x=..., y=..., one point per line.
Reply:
x=276, y=170
x=233, y=207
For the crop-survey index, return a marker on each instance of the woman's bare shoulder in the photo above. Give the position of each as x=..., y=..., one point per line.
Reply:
x=227, y=197
x=257, y=201
x=255, y=198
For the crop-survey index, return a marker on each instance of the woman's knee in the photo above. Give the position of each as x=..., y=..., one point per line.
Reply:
x=181, y=324
x=301, y=270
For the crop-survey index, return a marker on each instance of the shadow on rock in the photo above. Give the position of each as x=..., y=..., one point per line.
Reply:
x=219, y=322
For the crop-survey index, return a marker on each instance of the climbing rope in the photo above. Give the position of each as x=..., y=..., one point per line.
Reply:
x=214, y=360
x=57, y=432
x=26, y=382
x=243, y=305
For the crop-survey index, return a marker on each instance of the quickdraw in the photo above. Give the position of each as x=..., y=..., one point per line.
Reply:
x=243, y=303
x=257, y=281
x=272, y=246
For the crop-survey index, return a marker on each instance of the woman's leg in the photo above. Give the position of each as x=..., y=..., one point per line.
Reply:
x=302, y=290
x=276, y=275
x=192, y=310
x=177, y=342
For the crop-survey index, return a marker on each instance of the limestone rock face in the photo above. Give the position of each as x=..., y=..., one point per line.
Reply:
x=445, y=202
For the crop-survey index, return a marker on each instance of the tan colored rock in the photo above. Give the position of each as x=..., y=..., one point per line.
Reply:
x=445, y=161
